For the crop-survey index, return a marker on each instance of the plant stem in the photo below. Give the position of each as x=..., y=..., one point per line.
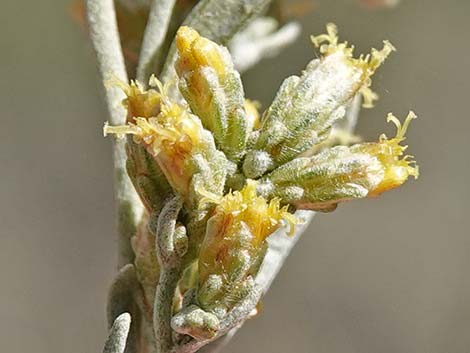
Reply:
x=154, y=37
x=105, y=37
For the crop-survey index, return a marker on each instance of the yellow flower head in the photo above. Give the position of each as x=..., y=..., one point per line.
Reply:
x=138, y=102
x=262, y=217
x=328, y=44
x=170, y=136
x=389, y=152
x=196, y=51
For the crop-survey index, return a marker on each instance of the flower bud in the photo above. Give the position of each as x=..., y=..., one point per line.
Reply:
x=145, y=174
x=388, y=152
x=234, y=245
x=182, y=148
x=343, y=173
x=213, y=89
x=306, y=107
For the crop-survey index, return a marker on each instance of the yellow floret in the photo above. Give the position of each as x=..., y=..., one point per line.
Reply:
x=138, y=102
x=173, y=125
x=261, y=216
x=389, y=152
x=328, y=44
x=171, y=136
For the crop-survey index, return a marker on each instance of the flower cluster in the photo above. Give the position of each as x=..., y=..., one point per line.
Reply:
x=343, y=173
x=242, y=174
x=184, y=151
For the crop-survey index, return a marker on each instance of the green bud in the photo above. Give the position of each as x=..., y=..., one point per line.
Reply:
x=342, y=173
x=235, y=244
x=213, y=89
x=306, y=107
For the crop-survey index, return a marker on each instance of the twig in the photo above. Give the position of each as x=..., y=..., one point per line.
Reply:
x=154, y=37
x=217, y=20
x=105, y=37
x=116, y=342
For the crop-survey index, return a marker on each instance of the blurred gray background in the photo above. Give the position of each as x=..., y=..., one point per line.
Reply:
x=388, y=275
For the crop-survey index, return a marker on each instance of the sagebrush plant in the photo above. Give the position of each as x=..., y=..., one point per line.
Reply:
x=223, y=189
